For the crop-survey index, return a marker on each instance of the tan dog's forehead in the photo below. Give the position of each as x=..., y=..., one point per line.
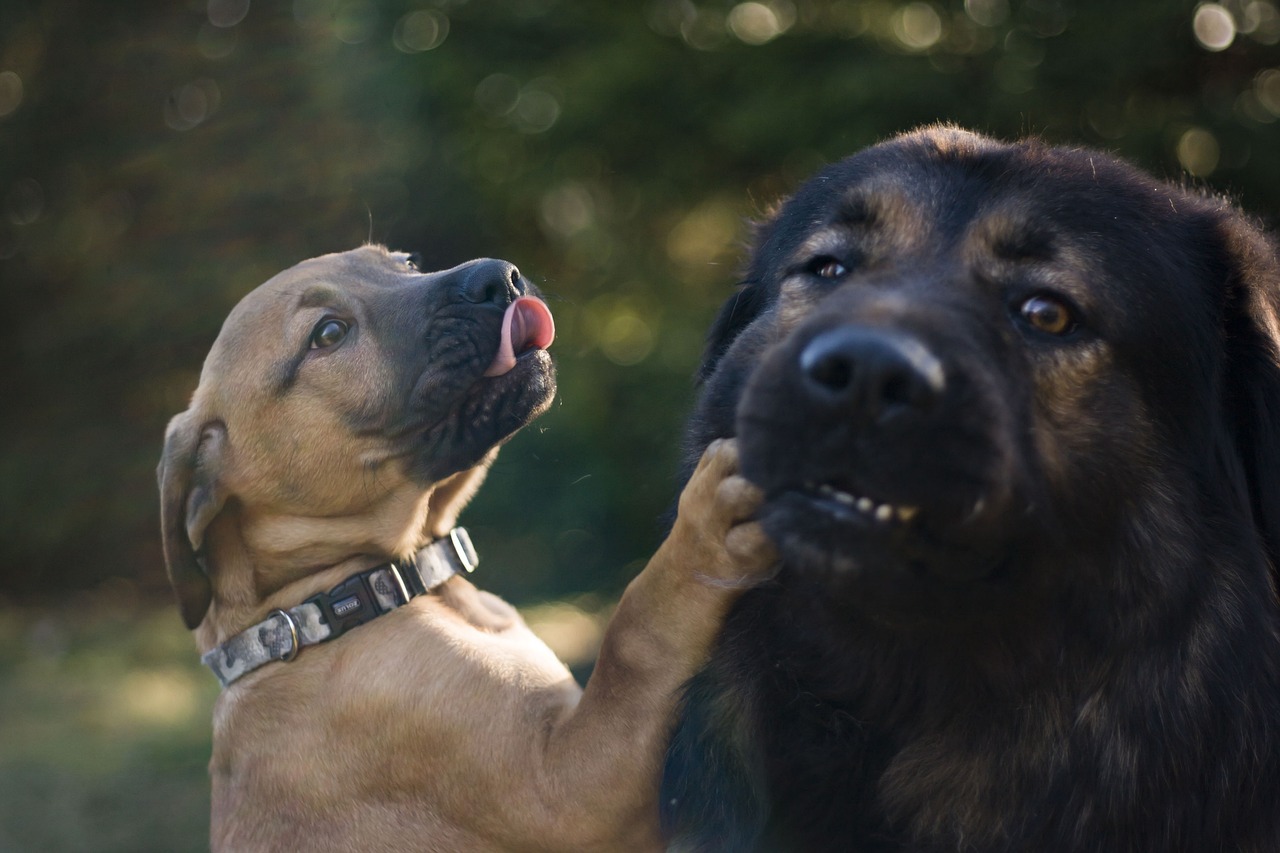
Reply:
x=310, y=285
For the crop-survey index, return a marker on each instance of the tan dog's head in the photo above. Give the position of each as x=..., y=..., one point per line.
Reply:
x=350, y=406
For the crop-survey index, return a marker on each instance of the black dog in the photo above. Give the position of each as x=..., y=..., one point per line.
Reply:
x=1016, y=410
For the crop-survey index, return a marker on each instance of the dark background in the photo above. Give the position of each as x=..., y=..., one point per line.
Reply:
x=160, y=159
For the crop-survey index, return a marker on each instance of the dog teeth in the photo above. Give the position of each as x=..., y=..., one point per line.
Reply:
x=882, y=513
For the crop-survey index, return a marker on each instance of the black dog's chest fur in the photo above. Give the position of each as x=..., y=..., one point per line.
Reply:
x=803, y=752
x=1026, y=601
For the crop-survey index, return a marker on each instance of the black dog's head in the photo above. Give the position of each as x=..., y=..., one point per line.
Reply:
x=954, y=362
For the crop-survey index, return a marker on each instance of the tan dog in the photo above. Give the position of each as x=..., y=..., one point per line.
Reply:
x=348, y=410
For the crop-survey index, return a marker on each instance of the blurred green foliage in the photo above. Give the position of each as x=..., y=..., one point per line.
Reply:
x=159, y=158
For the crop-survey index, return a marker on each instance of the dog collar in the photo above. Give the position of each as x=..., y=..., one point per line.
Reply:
x=328, y=615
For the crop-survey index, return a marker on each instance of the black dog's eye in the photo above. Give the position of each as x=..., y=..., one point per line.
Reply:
x=1049, y=315
x=828, y=268
x=328, y=333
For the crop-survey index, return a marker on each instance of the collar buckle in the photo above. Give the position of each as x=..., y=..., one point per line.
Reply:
x=348, y=605
x=466, y=551
x=398, y=577
x=294, y=645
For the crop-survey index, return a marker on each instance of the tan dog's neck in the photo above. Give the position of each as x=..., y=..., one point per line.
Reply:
x=261, y=560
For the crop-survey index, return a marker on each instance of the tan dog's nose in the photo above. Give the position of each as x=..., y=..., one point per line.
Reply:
x=491, y=281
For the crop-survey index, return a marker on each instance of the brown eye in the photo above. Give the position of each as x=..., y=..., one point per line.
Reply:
x=1049, y=315
x=829, y=268
x=328, y=333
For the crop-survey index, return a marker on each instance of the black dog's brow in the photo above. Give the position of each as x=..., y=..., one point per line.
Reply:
x=1024, y=244
x=855, y=209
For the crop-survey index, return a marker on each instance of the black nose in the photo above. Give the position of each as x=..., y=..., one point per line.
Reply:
x=491, y=281
x=872, y=373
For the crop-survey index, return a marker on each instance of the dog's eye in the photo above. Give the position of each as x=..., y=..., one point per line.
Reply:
x=414, y=262
x=828, y=268
x=328, y=333
x=1049, y=315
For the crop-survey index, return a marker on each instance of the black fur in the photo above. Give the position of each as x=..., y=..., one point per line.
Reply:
x=1066, y=635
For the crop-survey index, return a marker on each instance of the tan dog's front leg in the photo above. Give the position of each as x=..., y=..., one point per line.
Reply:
x=603, y=760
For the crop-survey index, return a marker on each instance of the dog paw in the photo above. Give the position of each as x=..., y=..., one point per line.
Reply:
x=715, y=518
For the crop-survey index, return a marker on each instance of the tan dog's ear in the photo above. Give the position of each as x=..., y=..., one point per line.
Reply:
x=190, y=497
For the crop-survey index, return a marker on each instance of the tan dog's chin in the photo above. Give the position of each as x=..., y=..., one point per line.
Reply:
x=398, y=525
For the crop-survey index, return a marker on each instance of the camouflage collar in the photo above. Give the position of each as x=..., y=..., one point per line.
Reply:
x=328, y=615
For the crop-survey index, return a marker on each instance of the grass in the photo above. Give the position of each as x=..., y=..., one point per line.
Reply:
x=104, y=730
x=105, y=721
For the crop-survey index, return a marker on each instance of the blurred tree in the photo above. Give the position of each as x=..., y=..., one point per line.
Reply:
x=158, y=159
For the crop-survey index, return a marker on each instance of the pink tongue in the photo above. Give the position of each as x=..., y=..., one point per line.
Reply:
x=526, y=325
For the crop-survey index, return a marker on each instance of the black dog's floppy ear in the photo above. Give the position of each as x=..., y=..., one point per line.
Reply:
x=744, y=306
x=734, y=316
x=1252, y=336
x=190, y=497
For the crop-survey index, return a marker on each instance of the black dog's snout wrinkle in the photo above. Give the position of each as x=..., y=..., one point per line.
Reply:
x=490, y=281
x=870, y=372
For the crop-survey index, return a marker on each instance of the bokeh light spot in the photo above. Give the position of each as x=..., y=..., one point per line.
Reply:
x=227, y=13
x=1260, y=20
x=669, y=17
x=192, y=104
x=1214, y=27
x=10, y=92
x=572, y=632
x=1266, y=87
x=705, y=30
x=703, y=235
x=988, y=13
x=420, y=31
x=536, y=110
x=622, y=329
x=154, y=697
x=497, y=94
x=355, y=22
x=626, y=338
x=759, y=23
x=567, y=210
x=1198, y=151
x=917, y=26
